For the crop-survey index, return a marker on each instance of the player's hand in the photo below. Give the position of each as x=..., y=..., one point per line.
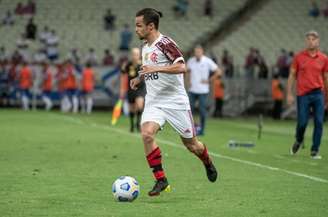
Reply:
x=147, y=69
x=290, y=99
x=134, y=83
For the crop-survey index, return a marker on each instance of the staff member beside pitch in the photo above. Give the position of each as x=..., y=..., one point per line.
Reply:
x=310, y=71
x=201, y=70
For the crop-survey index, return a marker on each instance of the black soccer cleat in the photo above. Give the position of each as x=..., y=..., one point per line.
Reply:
x=296, y=146
x=211, y=172
x=160, y=185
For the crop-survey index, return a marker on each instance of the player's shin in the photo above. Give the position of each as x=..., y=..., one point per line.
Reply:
x=154, y=159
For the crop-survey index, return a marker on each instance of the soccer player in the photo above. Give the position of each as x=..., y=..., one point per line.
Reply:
x=310, y=71
x=25, y=84
x=135, y=97
x=88, y=80
x=47, y=86
x=166, y=99
x=201, y=71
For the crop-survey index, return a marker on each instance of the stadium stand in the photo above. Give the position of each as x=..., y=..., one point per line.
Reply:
x=79, y=23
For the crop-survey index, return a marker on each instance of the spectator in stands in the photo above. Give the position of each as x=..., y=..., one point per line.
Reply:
x=126, y=38
x=282, y=64
x=181, y=8
x=314, y=10
x=74, y=56
x=30, y=7
x=218, y=94
x=227, y=64
x=3, y=55
x=250, y=63
x=16, y=58
x=91, y=57
x=325, y=11
x=208, y=8
x=31, y=30
x=40, y=56
x=52, y=46
x=44, y=35
x=22, y=47
x=277, y=91
x=261, y=63
x=109, y=20
x=19, y=10
x=108, y=59
x=201, y=70
x=8, y=19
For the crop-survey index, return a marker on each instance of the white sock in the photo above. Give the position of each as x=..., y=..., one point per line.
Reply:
x=25, y=102
x=89, y=104
x=75, y=104
x=48, y=102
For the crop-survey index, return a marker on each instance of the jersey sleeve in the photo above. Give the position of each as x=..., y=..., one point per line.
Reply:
x=171, y=51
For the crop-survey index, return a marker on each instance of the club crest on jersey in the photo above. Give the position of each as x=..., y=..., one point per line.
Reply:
x=153, y=57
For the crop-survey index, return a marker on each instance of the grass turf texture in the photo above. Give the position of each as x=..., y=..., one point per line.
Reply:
x=53, y=164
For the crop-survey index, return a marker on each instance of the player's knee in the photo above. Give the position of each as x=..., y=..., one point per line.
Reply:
x=147, y=136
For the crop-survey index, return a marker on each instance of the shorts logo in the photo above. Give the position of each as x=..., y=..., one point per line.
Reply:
x=153, y=57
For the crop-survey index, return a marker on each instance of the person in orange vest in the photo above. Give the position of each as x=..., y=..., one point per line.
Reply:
x=277, y=96
x=47, y=86
x=218, y=94
x=87, y=86
x=70, y=98
x=61, y=86
x=25, y=83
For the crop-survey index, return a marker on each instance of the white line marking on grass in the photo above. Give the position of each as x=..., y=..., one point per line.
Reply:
x=173, y=144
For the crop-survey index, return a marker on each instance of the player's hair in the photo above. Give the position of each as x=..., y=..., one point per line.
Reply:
x=150, y=15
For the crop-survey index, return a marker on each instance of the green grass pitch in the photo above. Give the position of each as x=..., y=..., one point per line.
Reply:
x=54, y=164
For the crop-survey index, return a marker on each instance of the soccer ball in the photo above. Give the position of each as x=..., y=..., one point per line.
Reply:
x=125, y=189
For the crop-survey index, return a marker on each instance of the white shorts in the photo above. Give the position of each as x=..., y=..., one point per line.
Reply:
x=180, y=120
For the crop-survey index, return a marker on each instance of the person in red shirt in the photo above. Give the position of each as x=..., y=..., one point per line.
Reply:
x=218, y=94
x=25, y=83
x=87, y=86
x=70, y=97
x=277, y=91
x=47, y=86
x=310, y=71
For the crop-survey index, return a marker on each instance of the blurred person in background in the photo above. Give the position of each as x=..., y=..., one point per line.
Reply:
x=136, y=100
x=47, y=81
x=25, y=83
x=277, y=91
x=310, y=71
x=87, y=86
x=201, y=70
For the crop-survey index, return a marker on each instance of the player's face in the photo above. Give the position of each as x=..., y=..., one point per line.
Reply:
x=141, y=28
x=312, y=42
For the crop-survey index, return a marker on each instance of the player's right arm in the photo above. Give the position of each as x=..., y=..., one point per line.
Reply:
x=290, y=85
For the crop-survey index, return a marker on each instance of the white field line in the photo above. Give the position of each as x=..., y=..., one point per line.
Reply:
x=173, y=144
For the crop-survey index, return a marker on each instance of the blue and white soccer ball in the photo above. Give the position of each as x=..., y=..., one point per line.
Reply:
x=125, y=189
